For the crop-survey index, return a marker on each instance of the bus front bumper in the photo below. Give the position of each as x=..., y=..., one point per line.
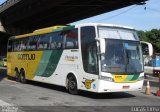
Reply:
x=106, y=86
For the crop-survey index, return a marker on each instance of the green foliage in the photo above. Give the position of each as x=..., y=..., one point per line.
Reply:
x=153, y=37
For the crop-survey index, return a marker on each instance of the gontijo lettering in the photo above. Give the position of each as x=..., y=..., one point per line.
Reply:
x=26, y=56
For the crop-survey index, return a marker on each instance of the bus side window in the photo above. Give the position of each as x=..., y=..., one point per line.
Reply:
x=53, y=45
x=16, y=45
x=71, y=39
x=32, y=43
x=43, y=42
x=56, y=40
x=10, y=46
x=92, y=58
x=24, y=44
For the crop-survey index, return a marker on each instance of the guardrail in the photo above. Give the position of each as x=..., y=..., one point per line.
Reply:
x=8, y=4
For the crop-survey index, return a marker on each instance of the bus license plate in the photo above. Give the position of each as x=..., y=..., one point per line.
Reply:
x=125, y=87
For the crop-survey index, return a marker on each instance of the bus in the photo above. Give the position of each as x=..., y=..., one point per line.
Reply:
x=151, y=59
x=95, y=57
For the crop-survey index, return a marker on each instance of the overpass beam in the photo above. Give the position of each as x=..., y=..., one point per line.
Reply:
x=1, y=27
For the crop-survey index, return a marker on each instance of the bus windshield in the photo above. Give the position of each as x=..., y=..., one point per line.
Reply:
x=123, y=55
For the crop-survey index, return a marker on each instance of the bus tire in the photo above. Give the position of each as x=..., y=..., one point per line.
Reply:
x=22, y=77
x=17, y=76
x=72, y=85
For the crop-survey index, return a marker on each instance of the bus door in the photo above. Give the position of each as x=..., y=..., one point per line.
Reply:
x=90, y=69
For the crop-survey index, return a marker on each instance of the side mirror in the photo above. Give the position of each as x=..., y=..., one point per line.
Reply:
x=149, y=47
x=102, y=44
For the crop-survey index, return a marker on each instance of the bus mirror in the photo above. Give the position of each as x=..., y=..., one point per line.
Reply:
x=150, y=49
x=147, y=48
x=102, y=44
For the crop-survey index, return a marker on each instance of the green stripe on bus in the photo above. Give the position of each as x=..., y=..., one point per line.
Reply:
x=68, y=27
x=65, y=28
x=135, y=77
x=129, y=77
x=43, y=63
x=58, y=29
x=53, y=62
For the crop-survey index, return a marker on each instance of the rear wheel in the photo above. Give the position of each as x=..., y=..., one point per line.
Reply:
x=17, y=76
x=72, y=85
x=22, y=77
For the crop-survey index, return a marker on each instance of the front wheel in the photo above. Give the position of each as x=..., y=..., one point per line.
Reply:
x=72, y=85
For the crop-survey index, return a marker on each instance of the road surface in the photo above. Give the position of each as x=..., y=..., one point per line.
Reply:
x=39, y=97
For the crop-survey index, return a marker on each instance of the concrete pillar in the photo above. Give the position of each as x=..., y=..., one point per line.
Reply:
x=2, y=28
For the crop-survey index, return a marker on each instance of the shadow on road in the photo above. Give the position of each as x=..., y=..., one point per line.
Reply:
x=2, y=74
x=48, y=86
x=116, y=95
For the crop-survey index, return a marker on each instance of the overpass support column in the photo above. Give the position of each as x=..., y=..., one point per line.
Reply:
x=1, y=27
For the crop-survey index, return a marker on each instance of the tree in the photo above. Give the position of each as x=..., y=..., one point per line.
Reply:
x=153, y=37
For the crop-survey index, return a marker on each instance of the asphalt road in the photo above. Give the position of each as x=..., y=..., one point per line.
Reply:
x=39, y=97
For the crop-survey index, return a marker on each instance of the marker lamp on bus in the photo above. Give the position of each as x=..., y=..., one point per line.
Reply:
x=141, y=78
x=105, y=78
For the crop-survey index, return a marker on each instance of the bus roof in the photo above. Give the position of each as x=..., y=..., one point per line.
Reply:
x=41, y=31
x=104, y=24
x=61, y=27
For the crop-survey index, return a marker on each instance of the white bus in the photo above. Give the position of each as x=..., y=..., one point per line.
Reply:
x=93, y=57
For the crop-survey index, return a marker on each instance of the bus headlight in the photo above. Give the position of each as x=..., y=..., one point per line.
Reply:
x=105, y=78
x=141, y=78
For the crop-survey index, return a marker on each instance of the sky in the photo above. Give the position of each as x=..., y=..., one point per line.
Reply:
x=142, y=17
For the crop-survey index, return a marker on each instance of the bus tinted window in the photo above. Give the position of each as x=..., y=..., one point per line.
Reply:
x=10, y=45
x=67, y=39
x=23, y=44
x=71, y=39
x=56, y=40
x=33, y=43
x=43, y=42
x=16, y=45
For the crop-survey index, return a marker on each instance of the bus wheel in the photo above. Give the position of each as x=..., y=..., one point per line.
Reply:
x=17, y=76
x=72, y=85
x=22, y=77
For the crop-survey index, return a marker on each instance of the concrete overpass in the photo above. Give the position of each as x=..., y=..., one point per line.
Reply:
x=3, y=43
x=24, y=16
